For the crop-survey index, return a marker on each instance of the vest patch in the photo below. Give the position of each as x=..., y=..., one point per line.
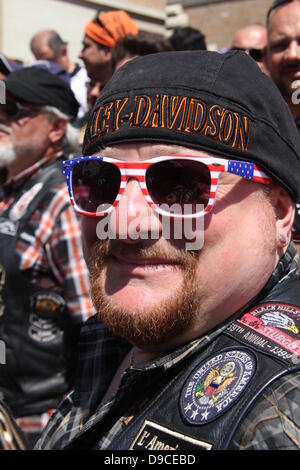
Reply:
x=153, y=436
x=42, y=331
x=272, y=328
x=47, y=303
x=7, y=227
x=19, y=209
x=43, y=327
x=215, y=386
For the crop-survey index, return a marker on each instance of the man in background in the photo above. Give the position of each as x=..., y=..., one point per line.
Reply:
x=101, y=35
x=48, y=45
x=283, y=50
x=44, y=285
x=282, y=57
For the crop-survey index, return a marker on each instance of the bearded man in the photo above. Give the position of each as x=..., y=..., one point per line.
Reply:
x=193, y=347
x=44, y=288
x=100, y=37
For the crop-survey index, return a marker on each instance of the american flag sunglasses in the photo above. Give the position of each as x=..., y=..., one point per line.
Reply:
x=168, y=183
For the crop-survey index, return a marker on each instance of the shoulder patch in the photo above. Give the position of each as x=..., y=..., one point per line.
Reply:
x=214, y=386
x=19, y=209
x=272, y=328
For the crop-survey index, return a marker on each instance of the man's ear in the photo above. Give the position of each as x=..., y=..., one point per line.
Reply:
x=64, y=50
x=58, y=129
x=285, y=213
x=108, y=53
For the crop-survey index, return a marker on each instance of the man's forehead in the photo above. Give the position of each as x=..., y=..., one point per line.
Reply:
x=251, y=33
x=287, y=13
x=145, y=151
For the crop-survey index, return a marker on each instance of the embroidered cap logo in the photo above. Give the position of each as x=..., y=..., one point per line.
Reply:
x=183, y=114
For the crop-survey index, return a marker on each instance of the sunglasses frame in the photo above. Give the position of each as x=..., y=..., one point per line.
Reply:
x=137, y=171
x=252, y=51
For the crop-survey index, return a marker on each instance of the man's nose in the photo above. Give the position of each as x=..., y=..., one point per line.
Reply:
x=292, y=52
x=134, y=220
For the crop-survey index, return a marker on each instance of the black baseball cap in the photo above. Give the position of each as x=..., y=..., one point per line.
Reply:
x=38, y=86
x=220, y=103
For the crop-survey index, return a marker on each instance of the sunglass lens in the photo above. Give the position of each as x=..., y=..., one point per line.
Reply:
x=256, y=54
x=180, y=185
x=95, y=185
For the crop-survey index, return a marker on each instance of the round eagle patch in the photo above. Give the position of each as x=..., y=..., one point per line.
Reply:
x=216, y=385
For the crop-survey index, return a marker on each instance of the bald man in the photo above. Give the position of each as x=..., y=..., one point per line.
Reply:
x=252, y=39
x=48, y=45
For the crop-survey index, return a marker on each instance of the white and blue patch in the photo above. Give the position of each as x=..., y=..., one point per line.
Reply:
x=216, y=385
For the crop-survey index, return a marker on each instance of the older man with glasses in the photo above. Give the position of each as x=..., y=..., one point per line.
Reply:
x=192, y=347
x=44, y=287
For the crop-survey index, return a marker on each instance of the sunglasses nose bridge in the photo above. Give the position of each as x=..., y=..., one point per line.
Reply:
x=133, y=187
x=137, y=174
x=134, y=219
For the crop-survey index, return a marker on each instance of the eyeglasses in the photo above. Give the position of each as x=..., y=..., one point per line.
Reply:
x=256, y=54
x=14, y=109
x=168, y=183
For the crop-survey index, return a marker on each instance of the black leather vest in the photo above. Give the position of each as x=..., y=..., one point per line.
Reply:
x=254, y=352
x=202, y=400
x=32, y=380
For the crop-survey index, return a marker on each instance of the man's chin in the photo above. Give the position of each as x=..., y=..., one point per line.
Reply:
x=139, y=299
x=144, y=321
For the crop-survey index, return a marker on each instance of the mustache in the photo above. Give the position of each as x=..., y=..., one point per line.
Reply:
x=291, y=67
x=103, y=250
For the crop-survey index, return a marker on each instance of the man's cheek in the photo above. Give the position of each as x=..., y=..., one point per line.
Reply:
x=89, y=235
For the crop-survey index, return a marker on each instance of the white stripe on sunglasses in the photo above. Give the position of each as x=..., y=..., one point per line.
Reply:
x=137, y=170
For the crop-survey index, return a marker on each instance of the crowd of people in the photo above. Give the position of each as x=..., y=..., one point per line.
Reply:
x=118, y=333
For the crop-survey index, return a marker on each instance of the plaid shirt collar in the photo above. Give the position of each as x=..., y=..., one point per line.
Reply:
x=100, y=353
x=14, y=183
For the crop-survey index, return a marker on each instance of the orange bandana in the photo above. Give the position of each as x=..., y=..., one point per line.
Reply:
x=110, y=26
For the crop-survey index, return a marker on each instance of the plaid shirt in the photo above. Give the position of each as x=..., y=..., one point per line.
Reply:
x=50, y=251
x=273, y=422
